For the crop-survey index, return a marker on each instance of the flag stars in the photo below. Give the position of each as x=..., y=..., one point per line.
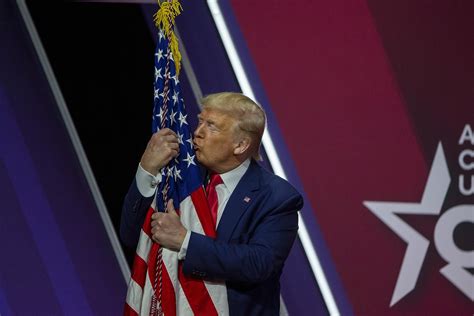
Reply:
x=177, y=174
x=161, y=35
x=189, y=159
x=170, y=171
x=157, y=96
x=159, y=54
x=190, y=141
x=175, y=97
x=173, y=117
x=161, y=115
x=182, y=119
x=176, y=80
x=180, y=138
x=158, y=74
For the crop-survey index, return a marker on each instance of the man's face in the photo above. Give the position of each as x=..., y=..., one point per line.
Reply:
x=214, y=140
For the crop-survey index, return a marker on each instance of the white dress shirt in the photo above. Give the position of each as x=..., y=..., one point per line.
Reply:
x=147, y=183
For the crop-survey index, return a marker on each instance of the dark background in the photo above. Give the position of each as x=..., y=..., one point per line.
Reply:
x=104, y=67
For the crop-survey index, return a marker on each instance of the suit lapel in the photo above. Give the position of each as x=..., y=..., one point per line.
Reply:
x=240, y=200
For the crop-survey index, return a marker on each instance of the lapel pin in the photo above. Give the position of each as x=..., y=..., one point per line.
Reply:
x=247, y=199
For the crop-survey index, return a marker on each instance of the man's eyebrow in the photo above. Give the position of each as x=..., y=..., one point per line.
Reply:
x=208, y=120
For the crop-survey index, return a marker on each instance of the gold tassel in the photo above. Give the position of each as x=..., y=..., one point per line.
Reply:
x=164, y=20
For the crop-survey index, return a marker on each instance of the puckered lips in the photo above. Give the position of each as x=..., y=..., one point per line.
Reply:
x=195, y=146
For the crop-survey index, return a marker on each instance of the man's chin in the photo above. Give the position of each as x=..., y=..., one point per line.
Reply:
x=198, y=156
x=202, y=160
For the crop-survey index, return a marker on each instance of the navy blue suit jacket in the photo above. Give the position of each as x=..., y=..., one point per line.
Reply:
x=254, y=236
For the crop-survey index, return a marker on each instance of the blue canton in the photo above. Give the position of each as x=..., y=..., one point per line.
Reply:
x=182, y=173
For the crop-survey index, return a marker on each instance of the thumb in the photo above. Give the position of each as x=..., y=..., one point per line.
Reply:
x=170, y=206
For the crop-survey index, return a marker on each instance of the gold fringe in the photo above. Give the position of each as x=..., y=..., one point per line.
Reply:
x=164, y=20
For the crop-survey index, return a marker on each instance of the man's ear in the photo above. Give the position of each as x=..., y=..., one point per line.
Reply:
x=242, y=146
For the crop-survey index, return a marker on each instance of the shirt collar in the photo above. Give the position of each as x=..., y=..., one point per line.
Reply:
x=231, y=178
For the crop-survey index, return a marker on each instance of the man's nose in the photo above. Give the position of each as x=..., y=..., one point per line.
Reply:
x=198, y=131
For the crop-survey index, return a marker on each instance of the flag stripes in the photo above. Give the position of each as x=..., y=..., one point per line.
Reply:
x=184, y=295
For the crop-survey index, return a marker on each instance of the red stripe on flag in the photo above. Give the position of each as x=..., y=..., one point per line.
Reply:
x=139, y=271
x=128, y=311
x=147, y=223
x=196, y=293
x=168, y=298
x=203, y=212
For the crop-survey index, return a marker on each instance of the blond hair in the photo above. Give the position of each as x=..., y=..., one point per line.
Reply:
x=249, y=116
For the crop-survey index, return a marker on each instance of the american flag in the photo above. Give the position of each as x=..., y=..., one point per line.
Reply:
x=175, y=294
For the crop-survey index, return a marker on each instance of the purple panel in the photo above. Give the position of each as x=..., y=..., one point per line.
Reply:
x=52, y=213
x=4, y=307
x=17, y=273
x=39, y=217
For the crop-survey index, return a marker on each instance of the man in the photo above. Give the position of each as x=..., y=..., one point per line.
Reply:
x=256, y=218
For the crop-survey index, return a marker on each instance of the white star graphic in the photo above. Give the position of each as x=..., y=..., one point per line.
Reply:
x=431, y=203
x=175, y=97
x=161, y=35
x=156, y=94
x=172, y=116
x=161, y=115
x=182, y=119
x=159, y=54
x=176, y=81
x=180, y=138
x=190, y=141
x=189, y=159
x=158, y=74
x=177, y=174
x=170, y=171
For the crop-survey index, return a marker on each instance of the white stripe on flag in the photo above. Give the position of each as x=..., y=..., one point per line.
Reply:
x=217, y=291
x=147, y=295
x=134, y=296
x=183, y=307
x=144, y=246
x=218, y=294
x=189, y=216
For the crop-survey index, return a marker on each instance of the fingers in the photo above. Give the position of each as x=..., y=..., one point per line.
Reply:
x=168, y=138
x=166, y=132
x=158, y=141
x=162, y=147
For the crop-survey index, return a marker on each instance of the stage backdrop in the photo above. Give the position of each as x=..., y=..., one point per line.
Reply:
x=375, y=102
x=370, y=106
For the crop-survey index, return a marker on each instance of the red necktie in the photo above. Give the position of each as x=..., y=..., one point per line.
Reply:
x=214, y=180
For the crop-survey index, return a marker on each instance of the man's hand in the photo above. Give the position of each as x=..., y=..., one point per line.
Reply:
x=166, y=228
x=162, y=147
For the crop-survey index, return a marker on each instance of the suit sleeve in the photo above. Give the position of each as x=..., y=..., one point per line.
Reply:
x=134, y=210
x=253, y=258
